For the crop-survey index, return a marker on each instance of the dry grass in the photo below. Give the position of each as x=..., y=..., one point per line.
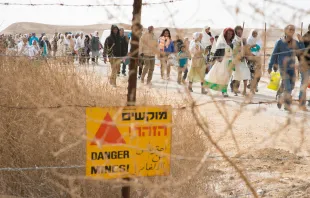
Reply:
x=36, y=136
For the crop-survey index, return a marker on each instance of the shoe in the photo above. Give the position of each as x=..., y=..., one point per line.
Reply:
x=225, y=95
x=139, y=77
x=244, y=93
x=124, y=74
x=309, y=103
x=303, y=108
x=149, y=83
x=236, y=94
x=288, y=109
x=203, y=91
x=118, y=75
x=248, y=86
x=190, y=87
x=279, y=101
x=256, y=89
x=179, y=82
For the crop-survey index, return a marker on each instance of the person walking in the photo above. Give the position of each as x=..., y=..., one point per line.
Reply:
x=198, y=65
x=242, y=71
x=113, y=51
x=305, y=77
x=253, y=46
x=124, y=51
x=87, y=50
x=220, y=73
x=183, y=63
x=95, y=47
x=148, y=50
x=306, y=39
x=54, y=44
x=284, y=52
x=166, y=48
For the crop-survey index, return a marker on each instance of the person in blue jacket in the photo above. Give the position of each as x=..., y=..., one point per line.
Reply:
x=32, y=38
x=166, y=47
x=285, y=52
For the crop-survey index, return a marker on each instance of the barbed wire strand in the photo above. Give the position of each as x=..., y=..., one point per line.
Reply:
x=87, y=5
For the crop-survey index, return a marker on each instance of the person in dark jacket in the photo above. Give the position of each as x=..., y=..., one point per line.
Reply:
x=41, y=43
x=124, y=50
x=306, y=38
x=113, y=48
x=95, y=47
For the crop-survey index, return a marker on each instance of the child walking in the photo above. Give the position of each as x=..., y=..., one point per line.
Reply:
x=182, y=69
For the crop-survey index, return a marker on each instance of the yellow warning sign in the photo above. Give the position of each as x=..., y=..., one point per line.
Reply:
x=128, y=141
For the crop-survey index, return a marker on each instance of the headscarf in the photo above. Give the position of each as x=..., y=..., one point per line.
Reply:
x=238, y=39
x=251, y=40
x=34, y=49
x=193, y=43
x=205, y=38
x=95, y=34
x=221, y=41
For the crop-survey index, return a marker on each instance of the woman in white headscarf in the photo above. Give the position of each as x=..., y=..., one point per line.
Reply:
x=198, y=66
x=34, y=49
x=254, y=61
x=206, y=36
x=220, y=73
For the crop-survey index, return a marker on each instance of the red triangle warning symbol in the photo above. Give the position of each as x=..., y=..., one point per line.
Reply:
x=108, y=133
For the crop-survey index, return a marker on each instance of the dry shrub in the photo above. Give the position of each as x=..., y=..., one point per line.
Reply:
x=34, y=135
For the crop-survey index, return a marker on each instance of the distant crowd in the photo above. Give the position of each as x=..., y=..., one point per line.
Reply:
x=216, y=62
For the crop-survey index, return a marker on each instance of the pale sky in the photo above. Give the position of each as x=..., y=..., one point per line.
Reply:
x=185, y=14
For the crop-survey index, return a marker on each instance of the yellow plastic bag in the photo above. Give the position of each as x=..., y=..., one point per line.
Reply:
x=274, y=81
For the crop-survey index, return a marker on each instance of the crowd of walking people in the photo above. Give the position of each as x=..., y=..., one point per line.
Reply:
x=215, y=61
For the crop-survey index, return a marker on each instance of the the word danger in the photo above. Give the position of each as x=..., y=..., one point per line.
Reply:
x=110, y=155
x=128, y=116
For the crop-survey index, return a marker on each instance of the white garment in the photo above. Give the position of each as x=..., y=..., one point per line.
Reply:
x=205, y=38
x=251, y=40
x=79, y=43
x=194, y=44
x=23, y=49
x=242, y=71
x=254, y=41
x=220, y=73
x=34, y=50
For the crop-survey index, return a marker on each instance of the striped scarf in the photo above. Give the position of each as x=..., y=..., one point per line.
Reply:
x=164, y=42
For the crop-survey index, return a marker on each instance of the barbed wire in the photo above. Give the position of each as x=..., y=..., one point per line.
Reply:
x=87, y=5
x=41, y=168
x=217, y=157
